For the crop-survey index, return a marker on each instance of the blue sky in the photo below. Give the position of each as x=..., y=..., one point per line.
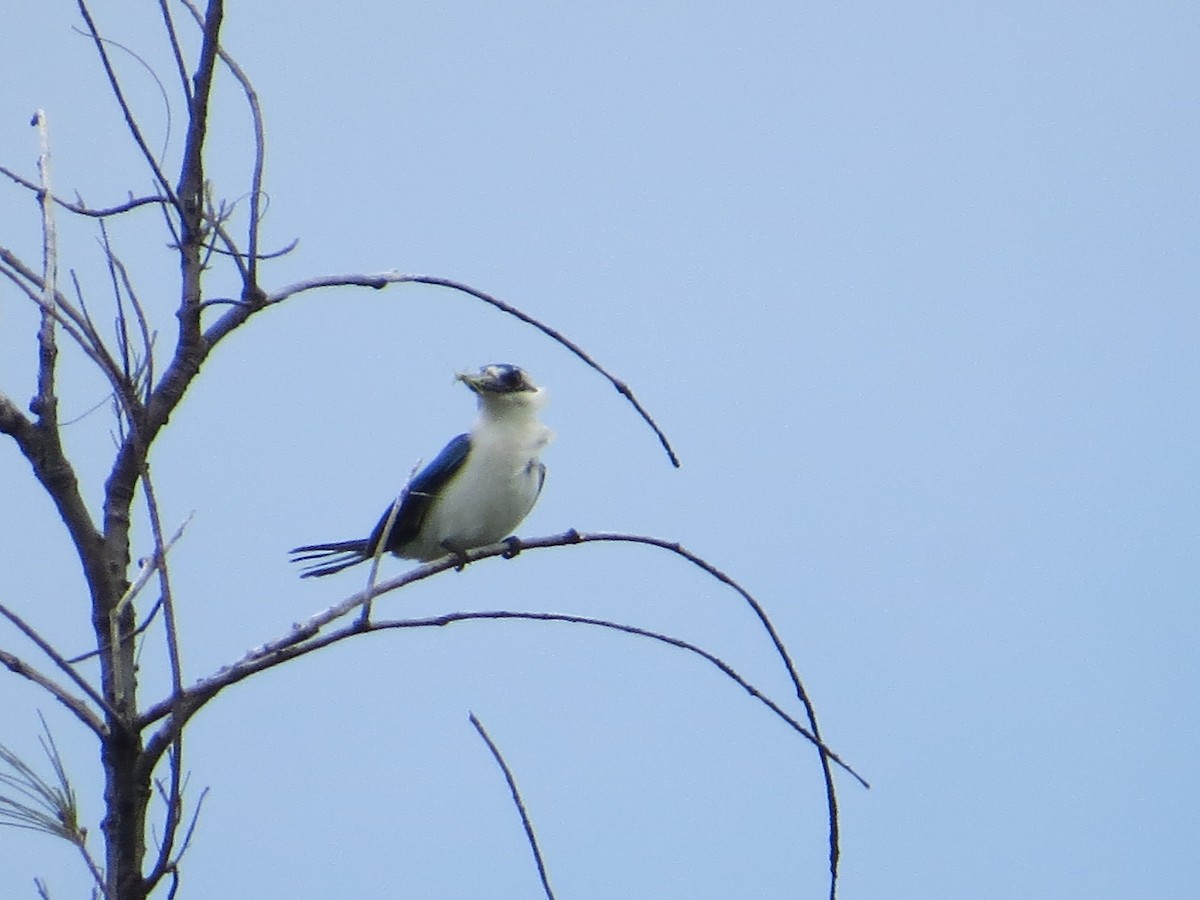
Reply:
x=912, y=290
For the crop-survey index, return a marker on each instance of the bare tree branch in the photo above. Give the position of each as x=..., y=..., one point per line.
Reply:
x=174, y=799
x=45, y=404
x=149, y=69
x=519, y=803
x=216, y=219
x=176, y=50
x=143, y=372
x=82, y=209
x=74, y=321
x=40, y=443
x=57, y=658
x=147, y=570
x=170, y=865
x=118, y=298
x=377, y=558
x=161, y=546
x=191, y=348
x=81, y=710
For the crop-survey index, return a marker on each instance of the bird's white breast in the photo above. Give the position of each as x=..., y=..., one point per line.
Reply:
x=490, y=495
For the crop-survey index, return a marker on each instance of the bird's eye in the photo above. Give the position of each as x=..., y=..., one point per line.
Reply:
x=509, y=377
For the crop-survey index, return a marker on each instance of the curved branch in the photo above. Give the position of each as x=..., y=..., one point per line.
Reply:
x=381, y=280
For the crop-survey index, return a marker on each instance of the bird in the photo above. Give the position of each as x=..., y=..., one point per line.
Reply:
x=475, y=492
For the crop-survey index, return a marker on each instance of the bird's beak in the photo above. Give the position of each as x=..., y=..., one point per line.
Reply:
x=474, y=381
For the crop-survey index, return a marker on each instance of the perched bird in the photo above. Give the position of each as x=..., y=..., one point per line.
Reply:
x=477, y=490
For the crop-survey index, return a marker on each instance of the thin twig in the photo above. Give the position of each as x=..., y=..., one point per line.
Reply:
x=161, y=546
x=82, y=711
x=216, y=218
x=70, y=319
x=171, y=866
x=157, y=561
x=176, y=50
x=175, y=799
x=144, y=372
x=151, y=566
x=57, y=658
x=519, y=803
x=83, y=209
x=261, y=255
x=378, y=552
x=302, y=631
x=122, y=330
x=118, y=92
x=205, y=690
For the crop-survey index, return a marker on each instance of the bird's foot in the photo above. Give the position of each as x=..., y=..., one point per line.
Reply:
x=514, y=546
x=460, y=557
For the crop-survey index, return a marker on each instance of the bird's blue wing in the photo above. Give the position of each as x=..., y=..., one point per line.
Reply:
x=421, y=491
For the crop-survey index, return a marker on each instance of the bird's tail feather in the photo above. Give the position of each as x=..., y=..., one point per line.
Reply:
x=327, y=559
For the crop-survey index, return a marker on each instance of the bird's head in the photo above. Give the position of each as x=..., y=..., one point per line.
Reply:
x=503, y=386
